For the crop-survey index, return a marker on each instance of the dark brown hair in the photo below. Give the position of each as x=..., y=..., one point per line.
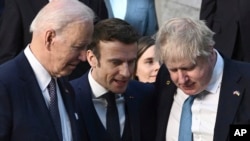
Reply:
x=143, y=44
x=111, y=30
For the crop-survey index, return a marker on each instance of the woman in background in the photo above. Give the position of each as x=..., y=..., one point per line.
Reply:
x=147, y=66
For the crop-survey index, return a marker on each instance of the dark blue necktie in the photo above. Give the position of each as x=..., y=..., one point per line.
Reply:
x=112, y=117
x=53, y=108
x=185, y=133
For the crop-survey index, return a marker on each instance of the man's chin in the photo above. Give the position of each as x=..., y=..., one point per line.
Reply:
x=190, y=92
x=71, y=67
x=64, y=73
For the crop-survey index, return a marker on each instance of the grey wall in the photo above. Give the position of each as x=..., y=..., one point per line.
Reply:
x=167, y=9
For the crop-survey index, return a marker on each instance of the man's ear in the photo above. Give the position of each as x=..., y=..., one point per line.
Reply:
x=49, y=38
x=93, y=62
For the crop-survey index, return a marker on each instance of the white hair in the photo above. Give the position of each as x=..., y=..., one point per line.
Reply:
x=59, y=13
x=184, y=38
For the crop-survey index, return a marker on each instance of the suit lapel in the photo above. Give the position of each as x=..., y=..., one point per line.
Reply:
x=95, y=128
x=109, y=9
x=68, y=98
x=35, y=102
x=228, y=102
x=165, y=101
x=165, y=89
x=132, y=106
x=128, y=10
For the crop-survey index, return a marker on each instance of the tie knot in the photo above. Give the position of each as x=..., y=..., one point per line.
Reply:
x=110, y=97
x=52, y=83
x=190, y=99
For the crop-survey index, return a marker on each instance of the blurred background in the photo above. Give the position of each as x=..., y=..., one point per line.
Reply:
x=167, y=9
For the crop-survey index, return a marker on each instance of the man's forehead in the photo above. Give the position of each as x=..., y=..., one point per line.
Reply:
x=179, y=63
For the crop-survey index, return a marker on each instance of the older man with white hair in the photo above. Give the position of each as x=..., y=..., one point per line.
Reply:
x=35, y=102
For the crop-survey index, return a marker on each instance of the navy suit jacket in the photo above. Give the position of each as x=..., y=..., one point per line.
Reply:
x=24, y=115
x=141, y=14
x=139, y=104
x=230, y=20
x=232, y=109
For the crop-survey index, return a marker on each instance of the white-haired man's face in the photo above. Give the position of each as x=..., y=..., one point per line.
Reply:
x=192, y=78
x=69, y=48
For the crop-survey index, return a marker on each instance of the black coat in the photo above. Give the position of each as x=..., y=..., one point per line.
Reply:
x=230, y=20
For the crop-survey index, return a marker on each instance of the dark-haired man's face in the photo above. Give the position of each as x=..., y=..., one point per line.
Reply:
x=115, y=66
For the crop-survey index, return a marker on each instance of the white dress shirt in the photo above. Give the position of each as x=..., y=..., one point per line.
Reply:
x=119, y=8
x=101, y=104
x=204, y=108
x=43, y=78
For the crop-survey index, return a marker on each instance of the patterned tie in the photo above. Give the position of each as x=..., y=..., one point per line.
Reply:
x=112, y=117
x=53, y=108
x=185, y=133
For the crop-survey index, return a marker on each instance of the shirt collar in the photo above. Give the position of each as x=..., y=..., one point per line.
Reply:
x=96, y=88
x=42, y=76
x=216, y=78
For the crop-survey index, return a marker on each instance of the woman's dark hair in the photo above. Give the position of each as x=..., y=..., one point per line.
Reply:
x=143, y=44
